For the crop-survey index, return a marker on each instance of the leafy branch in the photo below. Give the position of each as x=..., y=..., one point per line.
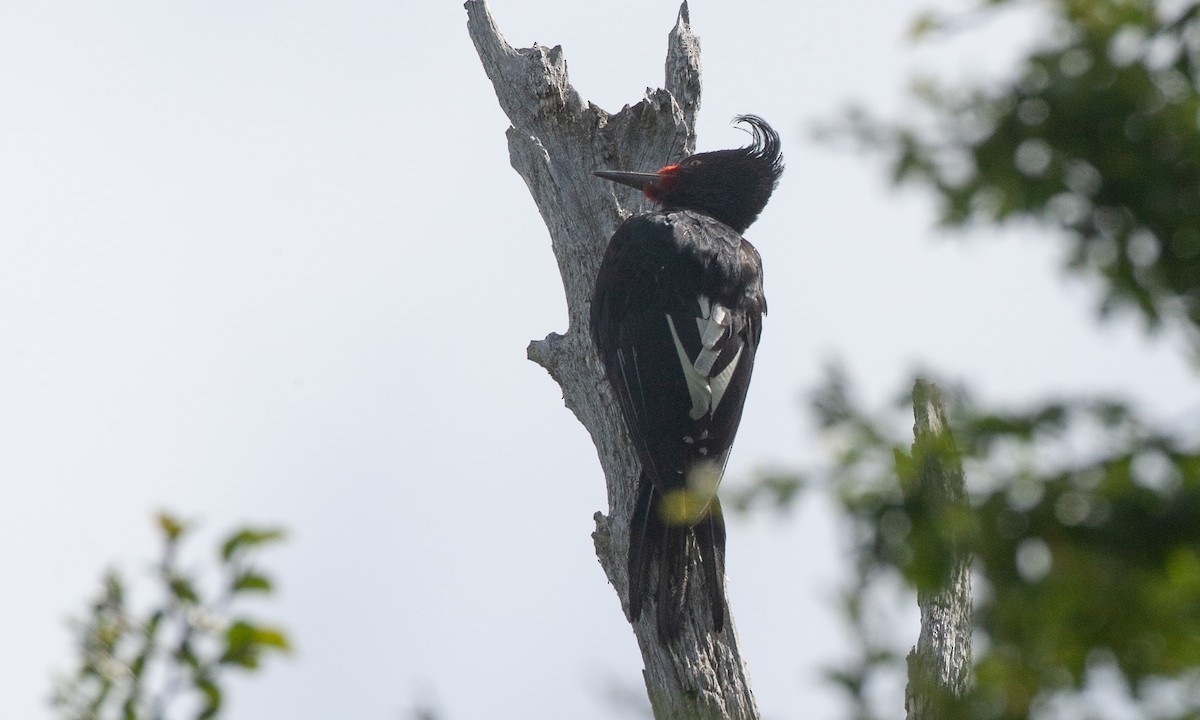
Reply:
x=171, y=660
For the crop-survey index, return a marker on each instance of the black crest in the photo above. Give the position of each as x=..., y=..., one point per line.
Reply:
x=732, y=186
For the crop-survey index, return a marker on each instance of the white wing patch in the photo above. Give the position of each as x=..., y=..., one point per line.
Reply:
x=705, y=388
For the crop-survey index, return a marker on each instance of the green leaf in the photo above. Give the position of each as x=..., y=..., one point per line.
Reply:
x=151, y=627
x=250, y=581
x=273, y=638
x=129, y=708
x=184, y=654
x=172, y=527
x=244, y=642
x=182, y=589
x=212, y=698
x=924, y=25
x=248, y=538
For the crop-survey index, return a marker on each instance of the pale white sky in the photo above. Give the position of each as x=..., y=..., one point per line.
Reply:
x=266, y=261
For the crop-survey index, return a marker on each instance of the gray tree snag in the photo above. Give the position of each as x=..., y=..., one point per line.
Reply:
x=555, y=142
x=939, y=667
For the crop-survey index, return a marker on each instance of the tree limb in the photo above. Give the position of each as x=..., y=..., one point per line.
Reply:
x=555, y=141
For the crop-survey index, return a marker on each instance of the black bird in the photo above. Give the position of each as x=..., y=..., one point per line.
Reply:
x=677, y=316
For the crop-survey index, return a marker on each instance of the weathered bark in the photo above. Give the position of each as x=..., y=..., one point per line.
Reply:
x=939, y=667
x=555, y=141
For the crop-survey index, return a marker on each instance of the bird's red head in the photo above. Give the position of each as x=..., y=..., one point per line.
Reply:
x=732, y=186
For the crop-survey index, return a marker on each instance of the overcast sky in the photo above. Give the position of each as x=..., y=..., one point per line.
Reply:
x=267, y=262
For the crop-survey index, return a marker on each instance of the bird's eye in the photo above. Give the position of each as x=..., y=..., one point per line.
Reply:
x=694, y=162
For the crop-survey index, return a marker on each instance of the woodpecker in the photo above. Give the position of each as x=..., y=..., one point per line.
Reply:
x=676, y=316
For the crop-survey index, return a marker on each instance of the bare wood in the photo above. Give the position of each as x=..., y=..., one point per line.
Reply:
x=939, y=667
x=555, y=141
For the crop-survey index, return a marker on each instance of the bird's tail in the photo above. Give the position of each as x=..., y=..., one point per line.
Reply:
x=660, y=555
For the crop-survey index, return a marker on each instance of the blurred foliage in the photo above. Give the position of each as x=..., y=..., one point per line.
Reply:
x=1095, y=134
x=1084, y=524
x=1083, y=517
x=170, y=661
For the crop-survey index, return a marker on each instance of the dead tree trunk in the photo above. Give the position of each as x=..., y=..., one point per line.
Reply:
x=939, y=667
x=555, y=141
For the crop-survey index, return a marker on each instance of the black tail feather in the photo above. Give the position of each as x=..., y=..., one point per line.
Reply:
x=643, y=529
x=670, y=598
x=710, y=537
x=655, y=544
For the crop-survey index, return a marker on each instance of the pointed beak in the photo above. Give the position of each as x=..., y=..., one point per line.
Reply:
x=639, y=180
